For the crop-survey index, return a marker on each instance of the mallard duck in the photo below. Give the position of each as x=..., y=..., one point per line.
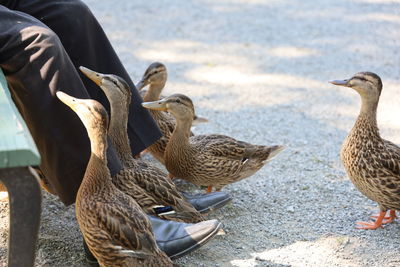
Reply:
x=113, y=225
x=158, y=194
x=156, y=76
x=208, y=160
x=372, y=163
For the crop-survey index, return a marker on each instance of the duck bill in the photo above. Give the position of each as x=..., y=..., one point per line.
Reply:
x=94, y=76
x=340, y=82
x=67, y=100
x=140, y=85
x=156, y=105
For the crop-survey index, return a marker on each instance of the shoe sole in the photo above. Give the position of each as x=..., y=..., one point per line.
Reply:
x=216, y=206
x=198, y=244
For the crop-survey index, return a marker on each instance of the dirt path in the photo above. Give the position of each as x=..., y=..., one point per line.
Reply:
x=259, y=70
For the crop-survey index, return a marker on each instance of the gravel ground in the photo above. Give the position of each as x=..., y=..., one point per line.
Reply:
x=259, y=70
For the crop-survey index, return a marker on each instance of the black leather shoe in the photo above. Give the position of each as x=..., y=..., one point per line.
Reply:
x=206, y=203
x=177, y=239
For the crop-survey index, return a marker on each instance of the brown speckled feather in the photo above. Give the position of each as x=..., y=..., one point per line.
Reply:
x=372, y=163
x=208, y=160
x=217, y=160
x=391, y=157
x=123, y=181
x=156, y=76
x=166, y=122
x=141, y=180
x=150, y=187
x=113, y=225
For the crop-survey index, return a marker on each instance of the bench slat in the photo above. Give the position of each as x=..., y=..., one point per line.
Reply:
x=16, y=144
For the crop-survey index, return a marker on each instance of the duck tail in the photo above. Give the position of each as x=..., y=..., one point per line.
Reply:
x=181, y=212
x=187, y=213
x=161, y=210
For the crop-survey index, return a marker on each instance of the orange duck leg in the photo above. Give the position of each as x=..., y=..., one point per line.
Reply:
x=380, y=219
x=387, y=219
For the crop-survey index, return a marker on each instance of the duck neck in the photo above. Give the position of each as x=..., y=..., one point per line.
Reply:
x=366, y=123
x=154, y=92
x=369, y=108
x=118, y=131
x=97, y=175
x=98, y=145
x=179, y=139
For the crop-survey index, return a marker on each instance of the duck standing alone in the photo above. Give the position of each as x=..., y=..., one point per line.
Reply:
x=372, y=163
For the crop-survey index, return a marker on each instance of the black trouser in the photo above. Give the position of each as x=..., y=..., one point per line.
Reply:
x=42, y=42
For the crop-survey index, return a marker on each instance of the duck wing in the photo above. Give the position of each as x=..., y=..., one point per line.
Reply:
x=128, y=226
x=390, y=158
x=222, y=146
x=155, y=181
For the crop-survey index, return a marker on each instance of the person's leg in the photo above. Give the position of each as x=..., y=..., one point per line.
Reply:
x=88, y=46
x=36, y=66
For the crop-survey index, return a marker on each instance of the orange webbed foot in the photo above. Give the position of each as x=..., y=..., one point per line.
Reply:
x=368, y=225
x=386, y=219
x=372, y=225
x=209, y=189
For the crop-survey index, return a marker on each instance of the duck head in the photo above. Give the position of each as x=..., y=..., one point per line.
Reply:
x=115, y=88
x=180, y=106
x=155, y=74
x=92, y=114
x=367, y=84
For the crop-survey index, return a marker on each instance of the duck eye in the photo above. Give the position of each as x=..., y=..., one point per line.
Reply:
x=154, y=72
x=178, y=101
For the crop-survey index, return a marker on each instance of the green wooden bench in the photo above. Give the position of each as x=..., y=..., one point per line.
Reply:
x=17, y=152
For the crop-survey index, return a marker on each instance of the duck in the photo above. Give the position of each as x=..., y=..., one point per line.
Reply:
x=140, y=179
x=156, y=76
x=114, y=227
x=371, y=162
x=210, y=160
